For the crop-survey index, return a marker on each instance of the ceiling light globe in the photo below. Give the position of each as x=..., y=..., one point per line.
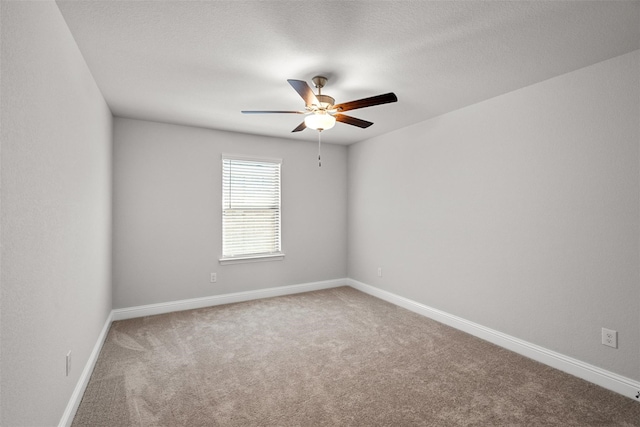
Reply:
x=320, y=121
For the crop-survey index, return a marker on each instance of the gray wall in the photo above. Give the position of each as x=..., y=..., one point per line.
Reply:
x=520, y=213
x=56, y=213
x=167, y=213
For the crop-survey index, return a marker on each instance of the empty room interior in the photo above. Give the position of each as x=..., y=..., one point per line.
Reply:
x=320, y=213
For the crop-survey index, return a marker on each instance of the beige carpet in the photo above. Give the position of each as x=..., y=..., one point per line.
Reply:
x=328, y=358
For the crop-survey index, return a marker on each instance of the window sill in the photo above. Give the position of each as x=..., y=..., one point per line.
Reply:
x=255, y=258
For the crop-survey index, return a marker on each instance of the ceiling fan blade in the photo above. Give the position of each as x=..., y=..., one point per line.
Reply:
x=273, y=112
x=352, y=121
x=304, y=91
x=300, y=127
x=367, y=102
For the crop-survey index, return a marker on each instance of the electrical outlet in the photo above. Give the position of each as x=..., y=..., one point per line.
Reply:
x=379, y=271
x=609, y=337
x=68, y=368
x=214, y=277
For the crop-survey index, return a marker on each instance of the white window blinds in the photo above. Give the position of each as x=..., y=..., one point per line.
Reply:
x=250, y=207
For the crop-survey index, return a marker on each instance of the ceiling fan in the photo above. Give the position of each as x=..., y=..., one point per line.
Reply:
x=321, y=110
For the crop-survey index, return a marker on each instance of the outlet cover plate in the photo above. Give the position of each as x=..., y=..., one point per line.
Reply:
x=610, y=337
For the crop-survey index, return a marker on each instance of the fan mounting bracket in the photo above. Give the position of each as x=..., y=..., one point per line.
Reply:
x=319, y=81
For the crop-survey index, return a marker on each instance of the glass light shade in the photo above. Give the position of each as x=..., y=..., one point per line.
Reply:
x=320, y=121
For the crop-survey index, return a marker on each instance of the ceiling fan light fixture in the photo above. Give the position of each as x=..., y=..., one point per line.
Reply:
x=320, y=121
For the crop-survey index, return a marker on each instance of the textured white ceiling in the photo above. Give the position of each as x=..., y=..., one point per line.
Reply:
x=200, y=63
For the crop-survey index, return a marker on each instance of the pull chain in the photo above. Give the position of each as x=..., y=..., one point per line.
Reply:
x=319, y=143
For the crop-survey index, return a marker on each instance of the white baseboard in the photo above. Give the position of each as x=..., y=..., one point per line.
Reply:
x=609, y=380
x=81, y=385
x=189, y=304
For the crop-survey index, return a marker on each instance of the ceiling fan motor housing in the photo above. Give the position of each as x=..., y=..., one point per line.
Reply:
x=326, y=102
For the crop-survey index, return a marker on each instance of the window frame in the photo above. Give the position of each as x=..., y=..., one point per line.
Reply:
x=254, y=257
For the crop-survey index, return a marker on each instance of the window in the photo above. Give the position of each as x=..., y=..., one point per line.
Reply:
x=250, y=209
